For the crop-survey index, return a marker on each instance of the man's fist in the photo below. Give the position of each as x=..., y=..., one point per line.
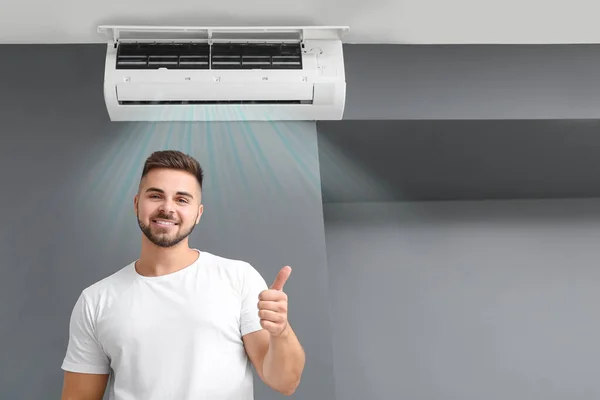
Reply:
x=273, y=305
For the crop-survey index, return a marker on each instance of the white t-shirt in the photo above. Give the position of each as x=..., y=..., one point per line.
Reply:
x=171, y=337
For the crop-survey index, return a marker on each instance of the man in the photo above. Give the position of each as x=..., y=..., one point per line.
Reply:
x=177, y=323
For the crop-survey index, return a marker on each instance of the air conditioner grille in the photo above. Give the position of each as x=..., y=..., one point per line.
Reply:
x=163, y=55
x=221, y=56
x=256, y=56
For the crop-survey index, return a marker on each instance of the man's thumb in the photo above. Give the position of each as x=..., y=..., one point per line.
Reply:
x=281, y=278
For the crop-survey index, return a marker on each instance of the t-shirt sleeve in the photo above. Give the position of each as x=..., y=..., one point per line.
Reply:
x=253, y=283
x=84, y=352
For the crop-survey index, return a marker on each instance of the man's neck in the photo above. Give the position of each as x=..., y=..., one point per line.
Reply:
x=156, y=261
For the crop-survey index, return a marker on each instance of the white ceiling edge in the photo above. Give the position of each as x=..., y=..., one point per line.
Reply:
x=353, y=38
x=420, y=22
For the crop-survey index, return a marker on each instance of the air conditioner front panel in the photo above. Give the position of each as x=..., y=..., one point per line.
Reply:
x=144, y=92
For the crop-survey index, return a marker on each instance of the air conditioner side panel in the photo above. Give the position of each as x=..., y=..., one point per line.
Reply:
x=110, y=90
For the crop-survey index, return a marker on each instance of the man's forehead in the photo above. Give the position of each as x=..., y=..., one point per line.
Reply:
x=166, y=177
x=162, y=184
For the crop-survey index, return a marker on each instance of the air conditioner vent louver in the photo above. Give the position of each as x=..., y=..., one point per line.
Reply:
x=213, y=102
x=256, y=56
x=163, y=55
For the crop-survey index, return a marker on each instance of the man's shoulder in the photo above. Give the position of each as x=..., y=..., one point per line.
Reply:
x=218, y=261
x=110, y=285
x=241, y=268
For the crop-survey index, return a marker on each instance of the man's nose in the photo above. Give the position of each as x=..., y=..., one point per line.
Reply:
x=167, y=207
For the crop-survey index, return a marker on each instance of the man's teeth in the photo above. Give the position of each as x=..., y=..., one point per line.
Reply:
x=165, y=223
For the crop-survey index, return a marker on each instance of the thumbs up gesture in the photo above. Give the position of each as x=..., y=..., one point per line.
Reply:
x=273, y=305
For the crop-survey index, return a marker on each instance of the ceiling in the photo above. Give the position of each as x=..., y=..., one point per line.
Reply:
x=422, y=160
x=375, y=21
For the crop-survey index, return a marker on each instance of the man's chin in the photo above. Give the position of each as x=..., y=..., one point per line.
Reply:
x=162, y=232
x=164, y=242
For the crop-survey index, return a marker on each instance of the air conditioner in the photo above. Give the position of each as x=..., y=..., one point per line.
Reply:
x=157, y=73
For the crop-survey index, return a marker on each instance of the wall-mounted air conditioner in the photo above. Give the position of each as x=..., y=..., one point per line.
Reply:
x=155, y=73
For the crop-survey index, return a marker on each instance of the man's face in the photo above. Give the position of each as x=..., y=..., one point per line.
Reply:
x=168, y=206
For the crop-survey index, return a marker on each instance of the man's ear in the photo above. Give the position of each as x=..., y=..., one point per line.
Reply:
x=200, y=211
x=136, y=199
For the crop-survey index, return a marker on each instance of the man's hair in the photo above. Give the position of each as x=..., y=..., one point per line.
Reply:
x=173, y=159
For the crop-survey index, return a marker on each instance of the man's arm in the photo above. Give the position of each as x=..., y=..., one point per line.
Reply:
x=78, y=386
x=278, y=360
x=274, y=350
x=86, y=366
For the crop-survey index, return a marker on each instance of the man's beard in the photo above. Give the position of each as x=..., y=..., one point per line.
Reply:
x=162, y=240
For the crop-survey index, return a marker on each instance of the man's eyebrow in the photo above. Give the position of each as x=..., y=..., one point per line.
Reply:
x=186, y=194
x=153, y=189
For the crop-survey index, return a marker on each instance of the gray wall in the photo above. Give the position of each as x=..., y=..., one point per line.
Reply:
x=410, y=160
x=68, y=177
x=465, y=300
x=472, y=81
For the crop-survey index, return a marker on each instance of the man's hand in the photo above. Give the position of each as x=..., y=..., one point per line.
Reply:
x=273, y=305
x=275, y=350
